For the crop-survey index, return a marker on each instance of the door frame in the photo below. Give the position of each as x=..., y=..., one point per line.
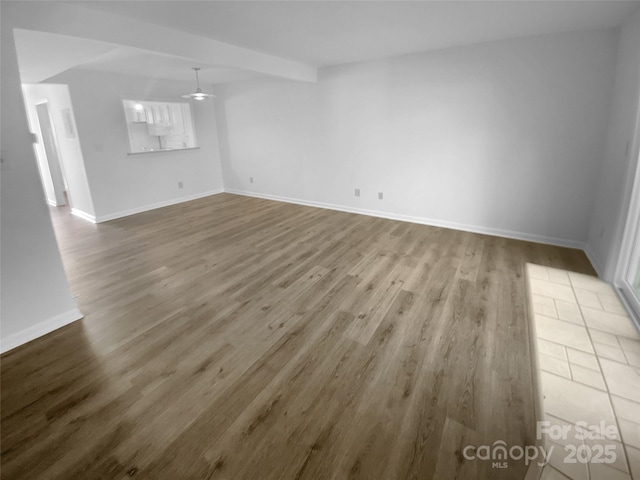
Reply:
x=628, y=253
x=54, y=134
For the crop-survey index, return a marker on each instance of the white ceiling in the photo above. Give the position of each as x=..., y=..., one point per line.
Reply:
x=324, y=33
x=317, y=33
x=129, y=61
x=44, y=55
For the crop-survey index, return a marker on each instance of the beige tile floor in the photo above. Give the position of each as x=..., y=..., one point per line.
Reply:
x=588, y=359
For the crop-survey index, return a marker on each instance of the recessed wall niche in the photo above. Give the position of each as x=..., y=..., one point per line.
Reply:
x=159, y=126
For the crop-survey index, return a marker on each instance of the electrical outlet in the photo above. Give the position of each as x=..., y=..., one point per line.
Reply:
x=380, y=195
x=250, y=179
x=180, y=185
x=357, y=192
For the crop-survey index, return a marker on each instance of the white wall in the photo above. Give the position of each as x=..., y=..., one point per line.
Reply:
x=35, y=295
x=69, y=150
x=122, y=184
x=620, y=156
x=504, y=137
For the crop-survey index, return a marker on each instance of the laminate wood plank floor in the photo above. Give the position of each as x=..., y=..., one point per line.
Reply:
x=238, y=338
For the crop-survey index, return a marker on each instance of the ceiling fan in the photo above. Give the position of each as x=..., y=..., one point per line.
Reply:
x=198, y=94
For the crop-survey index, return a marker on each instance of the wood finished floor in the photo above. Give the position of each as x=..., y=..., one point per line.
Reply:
x=238, y=338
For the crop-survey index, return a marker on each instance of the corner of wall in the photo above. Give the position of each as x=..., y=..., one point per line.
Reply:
x=84, y=215
x=610, y=206
x=145, y=208
x=39, y=329
x=595, y=261
x=34, y=283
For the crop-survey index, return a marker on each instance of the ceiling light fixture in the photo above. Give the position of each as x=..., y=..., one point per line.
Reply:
x=198, y=95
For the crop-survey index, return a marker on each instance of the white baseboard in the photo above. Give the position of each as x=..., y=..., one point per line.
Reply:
x=39, y=329
x=529, y=237
x=53, y=203
x=146, y=208
x=84, y=215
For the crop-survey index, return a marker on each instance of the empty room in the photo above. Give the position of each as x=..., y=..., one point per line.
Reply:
x=320, y=240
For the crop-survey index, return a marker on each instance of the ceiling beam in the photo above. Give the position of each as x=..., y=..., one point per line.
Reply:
x=82, y=22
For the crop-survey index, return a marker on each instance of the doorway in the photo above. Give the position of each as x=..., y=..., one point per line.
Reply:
x=628, y=271
x=52, y=157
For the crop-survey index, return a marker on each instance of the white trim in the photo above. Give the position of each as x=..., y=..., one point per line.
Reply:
x=53, y=203
x=169, y=150
x=39, y=329
x=621, y=250
x=145, y=208
x=530, y=237
x=628, y=304
x=628, y=251
x=84, y=215
x=56, y=145
x=630, y=230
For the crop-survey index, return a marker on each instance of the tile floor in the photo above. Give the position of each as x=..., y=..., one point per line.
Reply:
x=588, y=359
